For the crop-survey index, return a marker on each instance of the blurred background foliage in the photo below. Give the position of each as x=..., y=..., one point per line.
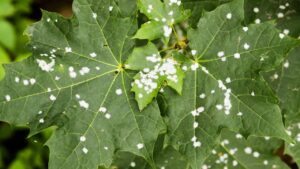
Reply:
x=16, y=150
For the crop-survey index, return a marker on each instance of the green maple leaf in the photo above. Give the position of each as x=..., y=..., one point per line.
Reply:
x=234, y=151
x=74, y=80
x=223, y=86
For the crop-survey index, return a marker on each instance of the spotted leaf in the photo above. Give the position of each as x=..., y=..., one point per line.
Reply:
x=74, y=80
x=223, y=86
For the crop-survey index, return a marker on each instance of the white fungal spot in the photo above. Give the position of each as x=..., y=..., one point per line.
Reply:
x=280, y=15
x=68, y=49
x=237, y=55
x=140, y=146
x=94, y=15
x=228, y=80
x=154, y=58
x=82, y=138
x=85, y=150
x=202, y=96
x=40, y=112
x=93, y=54
x=282, y=7
x=245, y=29
x=286, y=64
x=281, y=35
x=257, y=21
x=194, y=52
x=119, y=91
x=83, y=104
x=52, y=98
x=266, y=162
x=238, y=136
x=221, y=53
x=234, y=163
x=102, y=109
x=256, y=10
x=84, y=70
x=42, y=121
x=246, y=46
x=167, y=31
x=107, y=116
x=248, y=150
x=286, y=31
x=7, y=98
x=110, y=8
x=239, y=113
x=132, y=164
x=17, y=79
x=194, y=66
x=229, y=15
x=32, y=81
x=256, y=154
x=48, y=67
x=196, y=124
x=219, y=106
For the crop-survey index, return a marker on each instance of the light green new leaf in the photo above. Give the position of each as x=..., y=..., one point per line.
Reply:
x=6, y=8
x=162, y=16
x=223, y=85
x=155, y=72
x=7, y=34
x=74, y=81
x=4, y=58
x=234, y=152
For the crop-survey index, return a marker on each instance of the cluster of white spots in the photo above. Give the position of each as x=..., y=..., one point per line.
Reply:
x=224, y=142
x=284, y=33
x=68, y=49
x=84, y=70
x=167, y=31
x=246, y=46
x=147, y=79
x=41, y=121
x=221, y=55
x=83, y=104
x=194, y=52
x=229, y=15
x=227, y=102
x=194, y=66
x=205, y=70
x=140, y=146
x=197, y=111
x=150, y=8
x=223, y=158
x=154, y=58
x=237, y=56
x=93, y=55
x=178, y=2
x=196, y=143
x=85, y=150
x=82, y=138
x=119, y=91
x=255, y=9
x=233, y=151
x=48, y=67
x=102, y=110
x=204, y=166
x=110, y=8
x=286, y=64
x=52, y=98
x=132, y=164
x=7, y=98
x=72, y=73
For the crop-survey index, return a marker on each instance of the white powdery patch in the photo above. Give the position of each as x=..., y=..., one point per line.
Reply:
x=195, y=142
x=197, y=111
x=237, y=55
x=194, y=52
x=41, y=121
x=93, y=55
x=48, y=67
x=150, y=8
x=102, y=110
x=107, y=116
x=110, y=8
x=52, y=98
x=256, y=10
x=245, y=29
x=167, y=31
x=154, y=58
x=246, y=46
x=84, y=70
x=286, y=64
x=248, y=150
x=227, y=102
x=94, y=15
x=17, y=79
x=140, y=146
x=257, y=21
x=83, y=104
x=32, y=81
x=132, y=164
x=7, y=98
x=147, y=80
x=229, y=16
x=119, y=92
x=194, y=66
x=68, y=49
x=178, y=2
x=85, y=150
x=82, y=138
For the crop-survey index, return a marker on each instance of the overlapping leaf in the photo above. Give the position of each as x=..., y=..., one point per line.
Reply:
x=75, y=81
x=223, y=87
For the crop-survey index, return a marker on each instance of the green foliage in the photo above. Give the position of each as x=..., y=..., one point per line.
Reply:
x=183, y=90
